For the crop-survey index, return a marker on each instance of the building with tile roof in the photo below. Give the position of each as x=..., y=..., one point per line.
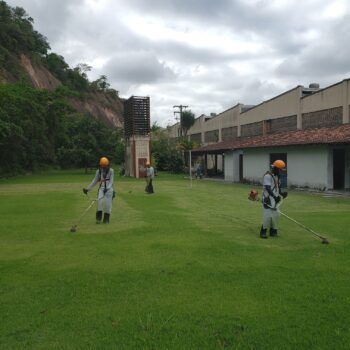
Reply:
x=308, y=128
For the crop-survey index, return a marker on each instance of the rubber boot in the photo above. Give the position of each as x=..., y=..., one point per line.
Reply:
x=106, y=218
x=263, y=232
x=98, y=217
x=273, y=232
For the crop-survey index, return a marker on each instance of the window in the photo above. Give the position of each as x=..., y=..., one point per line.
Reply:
x=266, y=126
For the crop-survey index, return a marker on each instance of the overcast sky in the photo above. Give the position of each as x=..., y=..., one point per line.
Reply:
x=207, y=54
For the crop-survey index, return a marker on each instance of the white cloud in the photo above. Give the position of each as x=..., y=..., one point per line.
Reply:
x=334, y=10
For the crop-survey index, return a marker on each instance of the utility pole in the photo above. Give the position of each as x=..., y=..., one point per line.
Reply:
x=180, y=107
x=178, y=119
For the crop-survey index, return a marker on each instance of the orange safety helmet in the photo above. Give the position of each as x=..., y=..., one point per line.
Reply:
x=104, y=162
x=280, y=164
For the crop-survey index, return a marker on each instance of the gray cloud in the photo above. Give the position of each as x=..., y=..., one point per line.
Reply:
x=50, y=17
x=279, y=26
x=185, y=53
x=289, y=44
x=137, y=68
x=323, y=60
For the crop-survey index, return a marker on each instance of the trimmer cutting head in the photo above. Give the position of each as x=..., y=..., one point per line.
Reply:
x=73, y=228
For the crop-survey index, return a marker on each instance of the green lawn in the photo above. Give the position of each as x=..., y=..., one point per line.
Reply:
x=181, y=269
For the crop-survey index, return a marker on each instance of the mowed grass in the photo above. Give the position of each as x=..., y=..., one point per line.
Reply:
x=181, y=269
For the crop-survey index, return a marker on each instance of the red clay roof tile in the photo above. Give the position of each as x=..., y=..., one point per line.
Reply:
x=339, y=134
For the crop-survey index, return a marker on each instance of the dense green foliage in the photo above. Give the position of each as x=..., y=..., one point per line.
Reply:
x=185, y=146
x=38, y=128
x=187, y=120
x=17, y=36
x=181, y=269
x=170, y=154
x=165, y=153
x=75, y=79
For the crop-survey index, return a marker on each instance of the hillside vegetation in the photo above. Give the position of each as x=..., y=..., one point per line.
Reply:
x=50, y=114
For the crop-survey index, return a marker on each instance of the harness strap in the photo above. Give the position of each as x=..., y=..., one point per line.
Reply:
x=103, y=180
x=274, y=180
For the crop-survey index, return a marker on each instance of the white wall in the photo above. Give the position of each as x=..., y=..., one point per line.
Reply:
x=307, y=165
x=232, y=165
x=229, y=166
x=141, y=151
x=329, y=97
x=137, y=147
x=283, y=105
x=316, y=163
x=255, y=164
x=310, y=166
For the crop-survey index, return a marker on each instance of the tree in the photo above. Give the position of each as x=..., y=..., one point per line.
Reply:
x=57, y=66
x=83, y=68
x=185, y=146
x=17, y=34
x=101, y=84
x=165, y=153
x=187, y=120
x=38, y=128
x=155, y=127
x=77, y=79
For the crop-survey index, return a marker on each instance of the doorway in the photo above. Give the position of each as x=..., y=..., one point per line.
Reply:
x=240, y=167
x=281, y=156
x=142, y=167
x=338, y=169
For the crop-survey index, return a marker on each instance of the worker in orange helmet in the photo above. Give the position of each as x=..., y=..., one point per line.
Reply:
x=149, y=178
x=104, y=175
x=271, y=197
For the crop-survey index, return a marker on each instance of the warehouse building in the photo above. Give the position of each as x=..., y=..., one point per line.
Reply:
x=308, y=128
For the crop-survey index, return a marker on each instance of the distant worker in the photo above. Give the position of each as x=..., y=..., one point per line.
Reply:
x=271, y=197
x=122, y=170
x=105, y=176
x=149, y=178
x=199, y=170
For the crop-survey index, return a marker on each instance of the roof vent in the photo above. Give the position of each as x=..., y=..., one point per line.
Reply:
x=314, y=86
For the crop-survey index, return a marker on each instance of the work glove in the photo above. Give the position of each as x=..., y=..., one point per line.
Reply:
x=85, y=191
x=277, y=199
x=113, y=195
x=284, y=194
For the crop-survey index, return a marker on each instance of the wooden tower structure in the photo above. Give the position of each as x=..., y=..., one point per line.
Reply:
x=137, y=127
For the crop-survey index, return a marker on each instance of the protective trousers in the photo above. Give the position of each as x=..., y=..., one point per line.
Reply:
x=105, y=200
x=270, y=218
x=149, y=185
